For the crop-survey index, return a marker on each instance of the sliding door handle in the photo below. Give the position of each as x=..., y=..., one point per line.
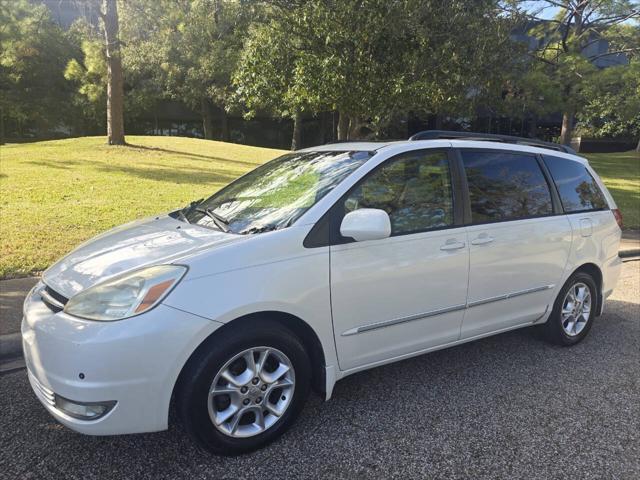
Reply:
x=482, y=240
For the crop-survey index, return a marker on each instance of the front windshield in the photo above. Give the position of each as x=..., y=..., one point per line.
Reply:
x=275, y=194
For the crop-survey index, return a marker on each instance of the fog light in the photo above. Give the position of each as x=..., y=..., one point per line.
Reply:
x=84, y=410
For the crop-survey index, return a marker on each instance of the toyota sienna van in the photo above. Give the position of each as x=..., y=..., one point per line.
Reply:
x=316, y=265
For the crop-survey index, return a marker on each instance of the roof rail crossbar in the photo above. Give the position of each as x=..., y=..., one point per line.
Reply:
x=452, y=135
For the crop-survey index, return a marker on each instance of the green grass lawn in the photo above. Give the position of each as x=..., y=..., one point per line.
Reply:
x=56, y=194
x=621, y=174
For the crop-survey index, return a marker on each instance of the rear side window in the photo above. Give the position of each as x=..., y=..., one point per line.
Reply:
x=578, y=190
x=505, y=186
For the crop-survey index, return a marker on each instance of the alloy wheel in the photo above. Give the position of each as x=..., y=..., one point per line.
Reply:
x=576, y=309
x=251, y=392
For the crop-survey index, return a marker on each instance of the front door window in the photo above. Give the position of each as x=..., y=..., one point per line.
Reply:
x=414, y=189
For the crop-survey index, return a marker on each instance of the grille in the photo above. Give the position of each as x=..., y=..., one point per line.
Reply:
x=53, y=299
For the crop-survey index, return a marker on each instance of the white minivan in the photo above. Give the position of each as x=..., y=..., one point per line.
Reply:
x=318, y=264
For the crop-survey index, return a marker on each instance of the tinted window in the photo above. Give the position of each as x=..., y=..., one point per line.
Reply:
x=577, y=188
x=414, y=189
x=505, y=186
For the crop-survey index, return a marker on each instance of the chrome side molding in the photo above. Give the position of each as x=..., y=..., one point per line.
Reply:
x=441, y=311
x=509, y=295
x=396, y=321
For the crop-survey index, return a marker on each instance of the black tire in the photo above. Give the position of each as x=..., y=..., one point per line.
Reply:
x=553, y=329
x=201, y=369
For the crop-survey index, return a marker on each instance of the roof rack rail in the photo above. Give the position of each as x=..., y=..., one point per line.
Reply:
x=491, y=137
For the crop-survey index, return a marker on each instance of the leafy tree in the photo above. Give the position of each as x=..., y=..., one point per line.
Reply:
x=567, y=42
x=612, y=108
x=272, y=82
x=352, y=57
x=192, y=47
x=33, y=53
x=528, y=94
x=92, y=76
x=89, y=73
x=462, y=56
x=373, y=60
x=319, y=55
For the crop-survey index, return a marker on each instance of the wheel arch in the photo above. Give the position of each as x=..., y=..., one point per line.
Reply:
x=296, y=325
x=596, y=273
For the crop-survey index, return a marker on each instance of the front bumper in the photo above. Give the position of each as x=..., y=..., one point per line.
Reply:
x=134, y=362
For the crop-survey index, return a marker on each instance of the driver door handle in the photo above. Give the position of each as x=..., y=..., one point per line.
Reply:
x=452, y=244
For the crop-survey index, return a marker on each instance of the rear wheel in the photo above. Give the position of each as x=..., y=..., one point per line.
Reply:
x=244, y=388
x=573, y=310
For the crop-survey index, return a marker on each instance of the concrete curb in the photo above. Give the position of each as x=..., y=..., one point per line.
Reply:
x=10, y=346
x=629, y=253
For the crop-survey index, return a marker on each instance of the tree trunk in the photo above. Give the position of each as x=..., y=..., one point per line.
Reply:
x=296, y=141
x=438, y=121
x=638, y=147
x=405, y=130
x=226, y=136
x=207, y=118
x=355, y=129
x=1, y=126
x=323, y=128
x=343, y=127
x=533, y=127
x=115, y=88
x=566, y=133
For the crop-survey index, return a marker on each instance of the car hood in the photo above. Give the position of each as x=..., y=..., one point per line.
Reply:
x=128, y=247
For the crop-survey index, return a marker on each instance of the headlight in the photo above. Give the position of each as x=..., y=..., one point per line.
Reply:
x=127, y=295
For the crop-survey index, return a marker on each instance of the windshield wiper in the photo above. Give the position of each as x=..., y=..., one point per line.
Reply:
x=221, y=222
x=262, y=229
x=182, y=216
x=189, y=207
x=267, y=228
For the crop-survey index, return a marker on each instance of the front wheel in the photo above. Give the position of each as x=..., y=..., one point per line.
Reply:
x=573, y=311
x=244, y=388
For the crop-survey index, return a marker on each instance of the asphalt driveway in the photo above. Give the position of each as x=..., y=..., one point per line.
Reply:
x=511, y=406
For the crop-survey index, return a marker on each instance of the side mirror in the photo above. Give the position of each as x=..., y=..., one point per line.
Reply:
x=366, y=224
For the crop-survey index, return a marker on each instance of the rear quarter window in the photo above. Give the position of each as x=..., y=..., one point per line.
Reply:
x=578, y=190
